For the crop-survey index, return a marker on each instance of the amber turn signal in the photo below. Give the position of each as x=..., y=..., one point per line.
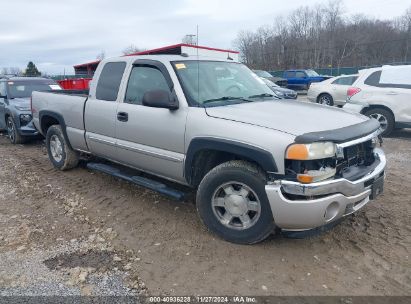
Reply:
x=297, y=151
x=305, y=178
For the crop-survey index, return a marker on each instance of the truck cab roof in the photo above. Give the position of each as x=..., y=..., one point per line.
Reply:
x=167, y=58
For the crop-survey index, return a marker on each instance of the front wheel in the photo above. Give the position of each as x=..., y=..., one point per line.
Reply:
x=233, y=204
x=60, y=153
x=13, y=133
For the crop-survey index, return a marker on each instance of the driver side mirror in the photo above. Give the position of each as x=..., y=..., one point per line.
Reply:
x=160, y=99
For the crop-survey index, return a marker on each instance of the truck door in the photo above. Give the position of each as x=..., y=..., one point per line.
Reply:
x=3, y=92
x=101, y=110
x=290, y=76
x=150, y=139
x=301, y=79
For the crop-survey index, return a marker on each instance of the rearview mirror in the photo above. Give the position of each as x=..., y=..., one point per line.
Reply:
x=160, y=99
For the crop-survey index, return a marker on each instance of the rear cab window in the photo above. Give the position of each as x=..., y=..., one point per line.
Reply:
x=109, y=81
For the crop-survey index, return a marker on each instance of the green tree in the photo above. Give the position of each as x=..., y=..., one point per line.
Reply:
x=31, y=70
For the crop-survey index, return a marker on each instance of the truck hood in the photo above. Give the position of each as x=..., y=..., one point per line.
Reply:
x=293, y=117
x=21, y=103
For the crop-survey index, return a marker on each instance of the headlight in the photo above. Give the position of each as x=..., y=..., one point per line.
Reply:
x=281, y=94
x=25, y=119
x=316, y=150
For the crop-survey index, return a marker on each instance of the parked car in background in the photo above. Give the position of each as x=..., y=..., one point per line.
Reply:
x=331, y=92
x=258, y=164
x=280, y=92
x=385, y=94
x=302, y=79
x=277, y=80
x=15, y=112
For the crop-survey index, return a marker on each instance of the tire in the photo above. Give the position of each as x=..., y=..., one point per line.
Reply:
x=59, y=152
x=325, y=99
x=14, y=135
x=384, y=117
x=228, y=216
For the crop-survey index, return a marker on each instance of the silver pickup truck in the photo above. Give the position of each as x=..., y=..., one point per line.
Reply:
x=259, y=164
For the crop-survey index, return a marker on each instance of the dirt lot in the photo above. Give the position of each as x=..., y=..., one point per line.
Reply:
x=80, y=232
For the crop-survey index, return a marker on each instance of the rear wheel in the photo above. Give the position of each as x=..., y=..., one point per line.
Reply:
x=60, y=153
x=326, y=99
x=384, y=117
x=13, y=133
x=232, y=203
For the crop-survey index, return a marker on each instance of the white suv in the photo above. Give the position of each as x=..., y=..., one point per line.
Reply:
x=383, y=93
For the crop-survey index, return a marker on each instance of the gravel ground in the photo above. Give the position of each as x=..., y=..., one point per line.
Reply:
x=86, y=233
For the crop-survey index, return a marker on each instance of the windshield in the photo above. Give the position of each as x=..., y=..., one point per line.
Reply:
x=312, y=73
x=23, y=89
x=222, y=82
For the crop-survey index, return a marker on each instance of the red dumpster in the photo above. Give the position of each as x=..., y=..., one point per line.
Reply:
x=75, y=83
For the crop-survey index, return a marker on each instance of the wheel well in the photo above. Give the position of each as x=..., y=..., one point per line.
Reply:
x=47, y=122
x=370, y=107
x=207, y=159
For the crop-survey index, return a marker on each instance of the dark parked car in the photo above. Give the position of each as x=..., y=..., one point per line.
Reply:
x=280, y=92
x=15, y=112
x=277, y=80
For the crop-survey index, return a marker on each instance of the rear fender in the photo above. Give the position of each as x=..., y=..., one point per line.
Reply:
x=43, y=115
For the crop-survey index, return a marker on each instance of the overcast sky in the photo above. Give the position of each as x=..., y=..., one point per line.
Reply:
x=58, y=34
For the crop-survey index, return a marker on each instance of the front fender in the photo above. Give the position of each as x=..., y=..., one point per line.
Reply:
x=262, y=157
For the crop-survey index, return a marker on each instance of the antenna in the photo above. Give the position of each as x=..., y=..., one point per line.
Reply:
x=198, y=71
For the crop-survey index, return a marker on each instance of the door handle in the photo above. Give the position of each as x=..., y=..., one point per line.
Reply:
x=122, y=116
x=392, y=93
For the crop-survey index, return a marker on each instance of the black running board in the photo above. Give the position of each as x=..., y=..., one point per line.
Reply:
x=138, y=180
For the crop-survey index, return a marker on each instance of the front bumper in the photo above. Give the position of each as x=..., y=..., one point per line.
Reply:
x=323, y=202
x=28, y=130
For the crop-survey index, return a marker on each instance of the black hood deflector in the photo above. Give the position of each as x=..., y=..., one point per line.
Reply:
x=340, y=135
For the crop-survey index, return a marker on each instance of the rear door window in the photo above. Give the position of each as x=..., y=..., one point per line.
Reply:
x=110, y=80
x=345, y=80
x=373, y=79
x=290, y=74
x=396, y=77
x=300, y=75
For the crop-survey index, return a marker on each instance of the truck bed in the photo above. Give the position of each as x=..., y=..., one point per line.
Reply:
x=67, y=105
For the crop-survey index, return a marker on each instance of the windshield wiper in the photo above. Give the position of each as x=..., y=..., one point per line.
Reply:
x=262, y=95
x=225, y=98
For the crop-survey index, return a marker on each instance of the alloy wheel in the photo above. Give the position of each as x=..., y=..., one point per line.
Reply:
x=236, y=206
x=325, y=100
x=381, y=119
x=56, y=148
x=11, y=130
